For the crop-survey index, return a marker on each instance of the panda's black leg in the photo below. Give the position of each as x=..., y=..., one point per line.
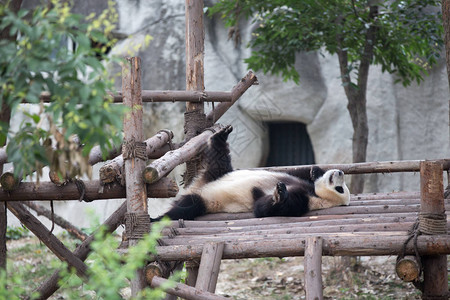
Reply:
x=188, y=207
x=283, y=202
x=216, y=156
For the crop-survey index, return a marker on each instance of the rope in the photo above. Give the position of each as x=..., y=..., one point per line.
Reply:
x=430, y=223
x=133, y=149
x=426, y=223
x=136, y=225
x=81, y=187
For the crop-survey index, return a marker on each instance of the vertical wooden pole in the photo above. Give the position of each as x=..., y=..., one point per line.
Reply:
x=137, y=218
x=209, y=267
x=313, y=268
x=3, y=227
x=432, y=203
x=195, y=118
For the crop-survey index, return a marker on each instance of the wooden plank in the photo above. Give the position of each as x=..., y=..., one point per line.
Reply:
x=313, y=268
x=30, y=191
x=435, y=274
x=184, y=291
x=209, y=267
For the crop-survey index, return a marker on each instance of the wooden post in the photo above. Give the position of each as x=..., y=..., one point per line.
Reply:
x=209, y=267
x=194, y=118
x=137, y=221
x=313, y=268
x=432, y=206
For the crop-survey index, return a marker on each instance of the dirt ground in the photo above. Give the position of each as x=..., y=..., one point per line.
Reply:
x=263, y=278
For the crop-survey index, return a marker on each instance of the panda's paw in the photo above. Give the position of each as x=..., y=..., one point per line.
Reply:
x=280, y=193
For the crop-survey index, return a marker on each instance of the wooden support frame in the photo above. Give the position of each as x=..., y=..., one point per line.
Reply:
x=208, y=271
x=313, y=268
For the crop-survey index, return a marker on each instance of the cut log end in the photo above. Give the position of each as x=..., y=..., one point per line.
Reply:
x=152, y=270
x=150, y=175
x=407, y=269
x=8, y=181
x=56, y=178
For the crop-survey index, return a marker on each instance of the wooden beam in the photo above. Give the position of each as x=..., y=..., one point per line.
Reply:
x=112, y=170
x=350, y=244
x=30, y=191
x=365, y=167
x=435, y=274
x=313, y=268
x=45, y=236
x=137, y=206
x=238, y=90
x=184, y=291
x=50, y=286
x=164, y=165
x=166, y=96
x=208, y=271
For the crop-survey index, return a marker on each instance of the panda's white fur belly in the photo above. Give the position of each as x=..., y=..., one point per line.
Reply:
x=232, y=193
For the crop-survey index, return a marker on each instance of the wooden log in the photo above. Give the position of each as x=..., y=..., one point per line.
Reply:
x=60, y=221
x=30, y=191
x=238, y=90
x=96, y=155
x=113, y=170
x=50, y=286
x=46, y=237
x=161, y=167
x=9, y=181
x=408, y=269
x=362, y=168
x=134, y=166
x=381, y=196
x=155, y=269
x=3, y=230
x=184, y=291
x=208, y=271
x=179, y=96
x=313, y=268
x=435, y=274
x=351, y=245
x=191, y=272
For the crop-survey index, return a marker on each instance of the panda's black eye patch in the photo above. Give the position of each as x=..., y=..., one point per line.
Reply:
x=339, y=189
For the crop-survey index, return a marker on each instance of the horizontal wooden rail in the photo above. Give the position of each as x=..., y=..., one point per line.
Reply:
x=351, y=245
x=365, y=167
x=167, y=96
x=29, y=191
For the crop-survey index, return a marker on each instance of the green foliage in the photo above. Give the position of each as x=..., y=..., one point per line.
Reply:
x=36, y=59
x=15, y=233
x=109, y=272
x=407, y=42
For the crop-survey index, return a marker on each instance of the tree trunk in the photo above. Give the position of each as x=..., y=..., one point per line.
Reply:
x=356, y=96
x=446, y=23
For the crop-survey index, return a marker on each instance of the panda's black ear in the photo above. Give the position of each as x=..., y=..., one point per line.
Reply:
x=316, y=172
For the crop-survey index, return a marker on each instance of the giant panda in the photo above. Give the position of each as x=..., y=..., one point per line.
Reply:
x=219, y=188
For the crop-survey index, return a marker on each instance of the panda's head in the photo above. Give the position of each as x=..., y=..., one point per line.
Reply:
x=331, y=186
